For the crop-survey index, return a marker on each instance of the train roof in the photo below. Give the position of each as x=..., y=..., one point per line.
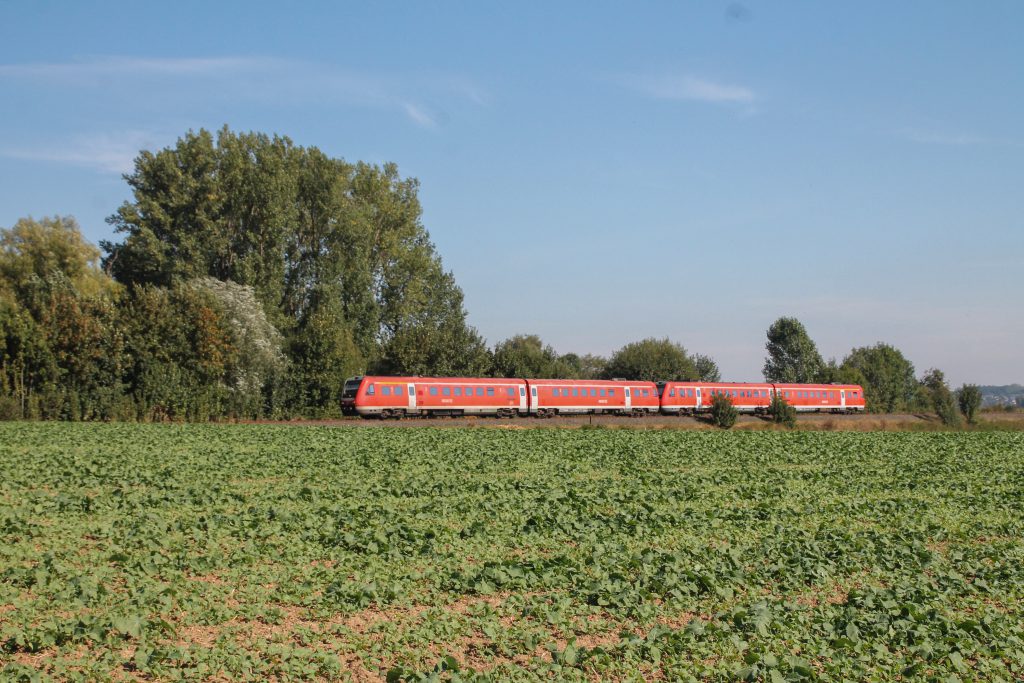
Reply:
x=592, y=382
x=444, y=380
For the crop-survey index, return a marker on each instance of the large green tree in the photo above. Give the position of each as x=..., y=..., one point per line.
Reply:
x=60, y=352
x=587, y=366
x=888, y=377
x=652, y=360
x=792, y=354
x=32, y=250
x=526, y=355
x=321, y=241
x=707, y=368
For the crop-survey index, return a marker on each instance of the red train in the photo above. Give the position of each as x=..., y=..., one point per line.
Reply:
x=395, y=397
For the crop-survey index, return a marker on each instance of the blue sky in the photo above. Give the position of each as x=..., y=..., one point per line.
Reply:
x=596, y=172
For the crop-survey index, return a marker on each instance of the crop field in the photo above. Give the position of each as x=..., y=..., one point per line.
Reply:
x=216, y=552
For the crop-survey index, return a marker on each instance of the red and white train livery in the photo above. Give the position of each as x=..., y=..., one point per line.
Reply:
x=502, y=397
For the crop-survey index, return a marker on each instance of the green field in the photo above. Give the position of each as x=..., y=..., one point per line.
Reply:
x=133, y=552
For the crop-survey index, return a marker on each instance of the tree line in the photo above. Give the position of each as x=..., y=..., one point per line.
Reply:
x=889, y=379
x=252, y=276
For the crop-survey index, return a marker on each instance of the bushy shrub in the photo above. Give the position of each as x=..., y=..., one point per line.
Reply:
x=781, y=412
x=969, y=398
x=723, y=414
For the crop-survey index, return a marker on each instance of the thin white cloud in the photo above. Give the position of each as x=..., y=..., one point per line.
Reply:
x=931, y=137
x=418, y=116
x=86, y=71
x=104, y=152
x=235, y=78
x=686, y=87
x=927, y=136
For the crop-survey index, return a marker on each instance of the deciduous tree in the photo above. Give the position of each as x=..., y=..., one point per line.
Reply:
x=651, y=360
x=792, y=355
x=969, y=398
x=888, y=377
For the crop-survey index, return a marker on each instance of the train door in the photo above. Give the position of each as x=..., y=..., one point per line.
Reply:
x=522, y=399
x=628, y=400
x=698, y=399
x=534, y=403
x=842, y=398
x=412, y=396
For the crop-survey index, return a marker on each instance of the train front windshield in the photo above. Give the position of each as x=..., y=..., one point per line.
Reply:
x=351, y=387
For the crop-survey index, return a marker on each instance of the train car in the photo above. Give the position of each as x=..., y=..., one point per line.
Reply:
x=550, y=397
x=686, y=398
x=396, y=397
x=816, y=398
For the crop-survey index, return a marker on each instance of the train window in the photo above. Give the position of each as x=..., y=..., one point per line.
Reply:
x=511, y=391
x=490, y=391
x=398, y=391
x=646, y=393
x=446, y=391
x=479, y=391
x=522, y=391
x=689, y=392
x=602, y=392
x=611, y=392
x=555, y=392
x=433, y=391
x=370, y=390
x=593, y=392
x=385, y=391
x=575, y=392
x=671, y=393
x=458, y=391
x=627, y=392
x=534, y=391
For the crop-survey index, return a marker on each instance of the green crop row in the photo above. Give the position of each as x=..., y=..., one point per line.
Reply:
x=185, y=552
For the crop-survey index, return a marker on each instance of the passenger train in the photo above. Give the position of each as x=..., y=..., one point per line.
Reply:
x=396, y=397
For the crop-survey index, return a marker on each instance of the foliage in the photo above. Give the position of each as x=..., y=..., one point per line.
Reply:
x=781, y=412
x=32, y=251
x=526, y=355
x=317, y=239
x=651, y=360
x=969, y=399
x=792, y=355
x=834, y=373
x=250, y=553
x=706, y=367
x=723, y=414
x=587, y=366
x=257, y=341
x=180, y=353
x=934, y=382
x=888, y=377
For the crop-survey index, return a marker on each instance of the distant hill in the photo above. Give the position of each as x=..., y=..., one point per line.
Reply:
x=1004, y=395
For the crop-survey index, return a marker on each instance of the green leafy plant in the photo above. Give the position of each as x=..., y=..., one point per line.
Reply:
x=723, y=413
x=256, y=552
x=781, y=412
